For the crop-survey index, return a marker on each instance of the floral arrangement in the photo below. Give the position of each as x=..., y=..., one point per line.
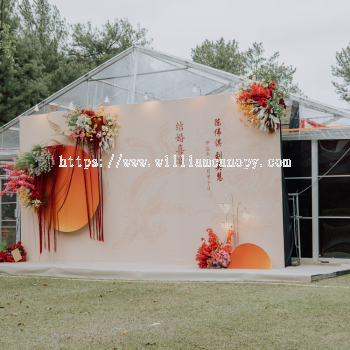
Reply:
x=24, y=174
x=31, y=174
x=262, y=103
x=89, y=126
x=97, y=131
x=218, y=260
x=6, y=256
x=214, y=255
x=27, y=178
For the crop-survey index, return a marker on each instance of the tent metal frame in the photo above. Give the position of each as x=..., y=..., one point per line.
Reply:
x=227, y=79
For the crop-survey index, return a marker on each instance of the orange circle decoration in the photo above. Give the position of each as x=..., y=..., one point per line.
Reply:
x=249, y=256
x=82, y=186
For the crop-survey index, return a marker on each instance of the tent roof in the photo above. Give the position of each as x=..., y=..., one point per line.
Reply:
x=141, y=74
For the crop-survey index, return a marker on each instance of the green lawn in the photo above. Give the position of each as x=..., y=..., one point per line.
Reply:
x=57, y=313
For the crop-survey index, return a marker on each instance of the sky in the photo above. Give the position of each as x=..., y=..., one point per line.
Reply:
x=306, y=33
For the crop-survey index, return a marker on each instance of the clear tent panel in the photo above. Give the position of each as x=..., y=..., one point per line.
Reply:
x=75, y=96
x=9, y=140
x=313, y=121
x=109, y=93
x=147, y=63
x=143, y=77
x=123, y=67
x=136, y=78
x=173, y=85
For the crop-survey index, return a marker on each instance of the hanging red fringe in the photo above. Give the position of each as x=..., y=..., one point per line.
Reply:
x=50, y=196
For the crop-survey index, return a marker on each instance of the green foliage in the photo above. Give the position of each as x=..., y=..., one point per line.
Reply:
x=8, y=41
x=227, y=57
x=274, y=102
x=67, y=71
x=342, y=70
x=23, y=79
x=3, y=246
x=72, y=117
x=22, y=75
x=27, y=159
x=45, y=23
x=95, y=46
x=36, y=59
x=221, y=56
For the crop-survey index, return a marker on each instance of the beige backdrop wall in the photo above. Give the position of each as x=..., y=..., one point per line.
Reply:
x=159, y=214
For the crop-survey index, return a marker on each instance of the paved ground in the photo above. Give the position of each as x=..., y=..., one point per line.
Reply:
x=56, y=313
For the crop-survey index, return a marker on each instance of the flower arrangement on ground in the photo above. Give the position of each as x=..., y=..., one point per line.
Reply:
x=6, y=255
x=94, y=127
x=214, y=255
x=263, y=103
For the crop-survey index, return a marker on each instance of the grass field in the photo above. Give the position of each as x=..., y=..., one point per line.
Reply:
x=56, y=313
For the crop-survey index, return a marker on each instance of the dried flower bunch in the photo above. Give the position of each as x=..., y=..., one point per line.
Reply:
x=89, y=126
x=264, y=104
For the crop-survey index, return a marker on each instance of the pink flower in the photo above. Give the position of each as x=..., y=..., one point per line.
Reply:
x=79, y=134
x=16, y=179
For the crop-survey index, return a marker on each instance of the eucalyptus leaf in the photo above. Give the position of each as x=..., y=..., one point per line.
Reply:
x=3, y=246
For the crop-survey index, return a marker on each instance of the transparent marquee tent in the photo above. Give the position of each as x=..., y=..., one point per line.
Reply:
x=140, y=75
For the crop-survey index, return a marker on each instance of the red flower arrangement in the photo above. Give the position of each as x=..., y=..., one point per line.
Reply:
x=6, y=256
x=215, y=254
x=86, y=111
x=97, y=129
x=258, y=93
x=262, y=103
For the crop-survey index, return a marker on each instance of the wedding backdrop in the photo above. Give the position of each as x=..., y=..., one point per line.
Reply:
x=158, y=211
x=150, y=158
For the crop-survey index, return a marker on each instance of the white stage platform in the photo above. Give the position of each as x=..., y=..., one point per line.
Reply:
x=148, y=272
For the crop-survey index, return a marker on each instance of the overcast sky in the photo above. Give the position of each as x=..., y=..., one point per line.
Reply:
x=307, y=33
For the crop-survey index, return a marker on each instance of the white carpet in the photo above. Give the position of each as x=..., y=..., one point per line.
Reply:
x=148, y=272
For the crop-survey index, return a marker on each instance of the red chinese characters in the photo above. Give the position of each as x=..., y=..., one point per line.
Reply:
x=180, y=139
x=218, y=154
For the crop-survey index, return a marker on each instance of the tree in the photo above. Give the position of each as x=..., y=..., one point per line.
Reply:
x=8, y=37
x=8, y=40
x=95, y=46
x=342, y=70
x=21, y=73
x=269, y=69
x=68, y=70
x=36, y=59
x=26, y=75
x=23, y=81
x=251, y=62
x=221, y=56
x=45, y=23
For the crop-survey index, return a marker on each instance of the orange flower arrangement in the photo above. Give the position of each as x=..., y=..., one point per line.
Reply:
x=215, y=254
x=262, y=103
x=98, y=128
